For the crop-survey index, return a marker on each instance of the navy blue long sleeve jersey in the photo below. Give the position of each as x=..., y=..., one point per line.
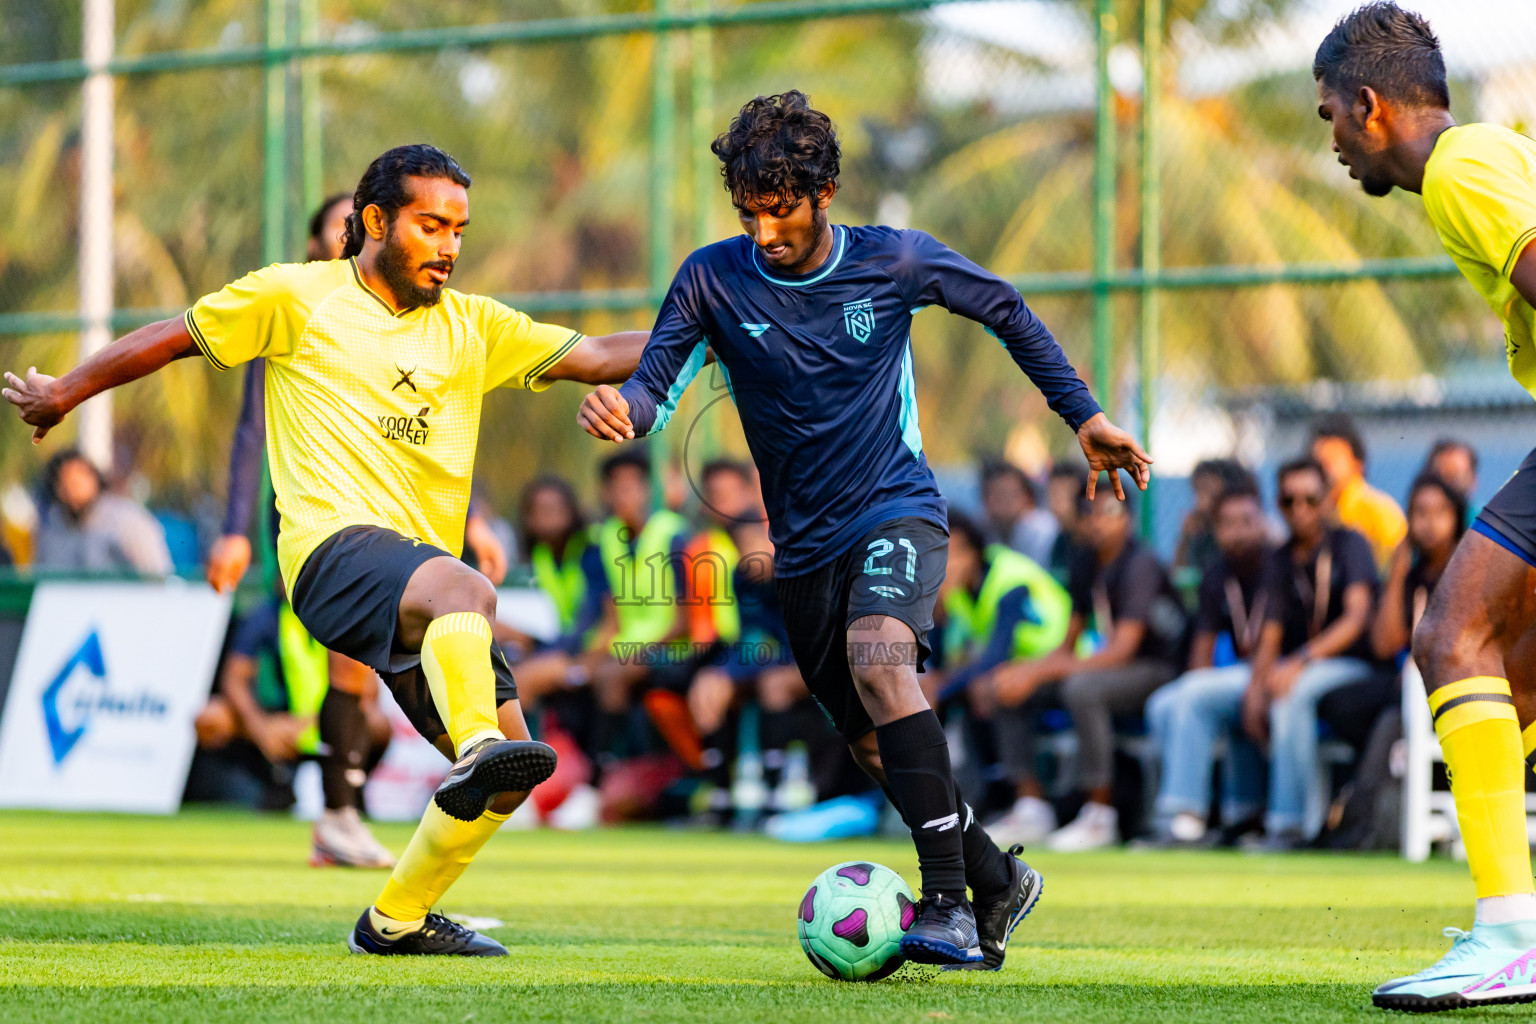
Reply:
x=249, y=448
x=820, y=368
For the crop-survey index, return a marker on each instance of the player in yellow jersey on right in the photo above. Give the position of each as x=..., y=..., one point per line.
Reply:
x=1382, y=86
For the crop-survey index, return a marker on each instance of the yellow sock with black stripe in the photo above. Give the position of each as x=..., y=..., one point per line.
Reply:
x=1528, y=744
x=456, y=658
x=1480, y=737
x=438, y=854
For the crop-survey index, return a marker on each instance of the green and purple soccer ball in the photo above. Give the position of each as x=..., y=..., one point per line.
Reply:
x=852, y=919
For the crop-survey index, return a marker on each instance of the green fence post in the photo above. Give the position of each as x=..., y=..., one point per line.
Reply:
x=1151, y=231
x=706, y=193
x=274, y=195
x=274, y=186
x=663, y=121
x=663, y=118
x=311, y=149
x=706, y=180
x=1103, y=208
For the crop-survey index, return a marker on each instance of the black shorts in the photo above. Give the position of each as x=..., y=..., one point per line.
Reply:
x=348, y=597
x=1509, y=518
x=894, y=569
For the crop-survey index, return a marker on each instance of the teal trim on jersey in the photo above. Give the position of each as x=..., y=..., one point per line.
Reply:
x=726, y=375
x=837, y=257
x=909, y=429
x=685, y=377
x=918, y=309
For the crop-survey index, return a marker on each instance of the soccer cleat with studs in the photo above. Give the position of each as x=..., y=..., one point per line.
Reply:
x=490, y=768
x=996, y=918
x=437, y=936
x=944, y=933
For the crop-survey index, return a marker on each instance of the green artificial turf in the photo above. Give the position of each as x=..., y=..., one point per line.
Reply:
x=216, y=916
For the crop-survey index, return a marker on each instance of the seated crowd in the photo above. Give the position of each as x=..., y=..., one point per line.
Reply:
x=1094, y=693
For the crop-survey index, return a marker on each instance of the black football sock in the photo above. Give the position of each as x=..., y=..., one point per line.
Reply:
x=775, y=730
x=915, y=755
x=986, y=866
x=344, y=730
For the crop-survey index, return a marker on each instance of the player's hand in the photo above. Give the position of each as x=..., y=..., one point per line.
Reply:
x=1110, y=449
x=709, y=698
x=278, y=737
x=490, y=556
x=1282, y=678
x=1256, y=712
x=34, y=400
x=1014, y=684
x=228, y=561
x=605, y=414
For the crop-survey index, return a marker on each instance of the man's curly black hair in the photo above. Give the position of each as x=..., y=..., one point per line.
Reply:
x=778, y=148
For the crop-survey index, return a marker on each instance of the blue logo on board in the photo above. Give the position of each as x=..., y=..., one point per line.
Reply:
x=79, y=693
x=859, y=319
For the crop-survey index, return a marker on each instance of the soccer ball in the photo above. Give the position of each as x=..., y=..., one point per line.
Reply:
x=852, y=919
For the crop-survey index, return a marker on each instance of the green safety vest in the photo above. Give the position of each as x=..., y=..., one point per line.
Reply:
x=306, y=674
x=973, y=618
x=723, y=611
x=646, y=604
x=564, y=581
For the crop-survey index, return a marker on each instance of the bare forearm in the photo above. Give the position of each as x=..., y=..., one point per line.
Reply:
x=1341, y=635
x=1389, y=633
x=135, y=355
x=604, y=359
x=235, y=685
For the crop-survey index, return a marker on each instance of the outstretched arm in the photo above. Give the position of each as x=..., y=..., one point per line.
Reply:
x=605, y=359
x=673, y=356
x=43, y=401
x=934, y=274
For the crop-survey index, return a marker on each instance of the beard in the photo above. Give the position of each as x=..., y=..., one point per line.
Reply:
x=394, y=267
x=1376, y=187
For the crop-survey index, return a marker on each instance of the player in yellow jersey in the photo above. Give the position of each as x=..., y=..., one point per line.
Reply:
x=374, y=378
x=1382, y=86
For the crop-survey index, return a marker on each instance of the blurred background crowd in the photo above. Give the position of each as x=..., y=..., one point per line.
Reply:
x=1238, y=686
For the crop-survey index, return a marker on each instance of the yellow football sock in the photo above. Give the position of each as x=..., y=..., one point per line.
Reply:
x=1528, y=744
x=438, y=854
x=456, y=658
x=1480, y=737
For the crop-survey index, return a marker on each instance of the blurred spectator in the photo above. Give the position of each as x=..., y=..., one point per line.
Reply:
x=1339, y=449
x=556, y=537
x=627, y=566
x=1014, y=517
x=1437, y=519
x=1140, y=622
x=1368, y=714
x=1321, y=588
x=1061, y=494
x=758, y=663
x=85, y=529
x=998, y=606
x=230, y=555
x=260, y=732
x=1210, y=480
x=727, y=498
x=1455, y=462
x=1187, y=716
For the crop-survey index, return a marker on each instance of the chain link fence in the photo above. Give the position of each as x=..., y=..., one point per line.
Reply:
x=1014, y=130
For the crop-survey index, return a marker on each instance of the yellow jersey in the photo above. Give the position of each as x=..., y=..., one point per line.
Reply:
x=372, y=415
x=1480, y=192
x=1373, y=514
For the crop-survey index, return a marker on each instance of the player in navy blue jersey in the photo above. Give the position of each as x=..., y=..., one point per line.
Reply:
x=810, y=324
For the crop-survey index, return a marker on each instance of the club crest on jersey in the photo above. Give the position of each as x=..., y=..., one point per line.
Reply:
x=859, y=319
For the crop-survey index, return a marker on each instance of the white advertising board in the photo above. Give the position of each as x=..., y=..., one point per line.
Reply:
x=107, y=683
